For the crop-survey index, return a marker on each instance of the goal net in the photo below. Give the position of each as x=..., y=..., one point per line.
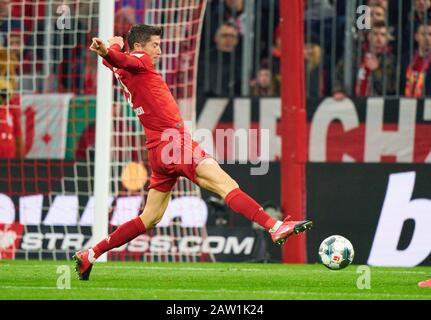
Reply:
x=47, y=182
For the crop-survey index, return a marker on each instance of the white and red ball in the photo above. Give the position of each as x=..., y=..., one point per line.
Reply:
x=336, y=252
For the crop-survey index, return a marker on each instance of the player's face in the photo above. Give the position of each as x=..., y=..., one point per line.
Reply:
x=152, y=48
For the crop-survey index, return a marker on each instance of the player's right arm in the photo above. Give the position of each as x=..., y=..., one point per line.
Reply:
x=114, y=57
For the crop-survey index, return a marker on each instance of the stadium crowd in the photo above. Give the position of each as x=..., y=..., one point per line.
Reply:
x=390, y=58
x=387, y=48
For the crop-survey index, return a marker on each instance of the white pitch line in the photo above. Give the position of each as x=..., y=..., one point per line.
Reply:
x=278, y=292
x=256, y=270
x=179, y=268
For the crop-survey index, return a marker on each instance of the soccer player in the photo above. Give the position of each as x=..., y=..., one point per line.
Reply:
x=172, y=157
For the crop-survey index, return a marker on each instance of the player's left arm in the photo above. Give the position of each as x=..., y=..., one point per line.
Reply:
x=114, y=57
x=113, y=41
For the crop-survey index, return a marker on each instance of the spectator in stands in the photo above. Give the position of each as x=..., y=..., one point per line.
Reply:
x=227, y=38
x=321, y=19
x=422, y=11
x=224, y=66
x=8, y=63
x=392, y=12
x=224, y=11
x=314, y=75
x=25, y=60
x=11, y=145
x=418, y=73
x=265, y=84
x=378, y=13
x=234, y=12
x=265, y=19
x=13, y=54
x=382, y=3
x=375, y=70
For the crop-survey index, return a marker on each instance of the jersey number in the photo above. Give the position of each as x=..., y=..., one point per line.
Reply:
x=127, y=93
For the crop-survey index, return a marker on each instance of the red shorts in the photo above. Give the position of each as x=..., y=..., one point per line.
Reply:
x=171, y=159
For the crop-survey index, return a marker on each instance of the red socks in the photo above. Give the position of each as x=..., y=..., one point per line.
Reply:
x=237, y=200
x=241, y=203
x=123, y=234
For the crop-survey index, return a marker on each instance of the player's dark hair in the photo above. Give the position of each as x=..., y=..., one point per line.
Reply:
x=142, y=33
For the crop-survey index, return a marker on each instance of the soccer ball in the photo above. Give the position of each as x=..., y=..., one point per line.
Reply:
x=336, y=252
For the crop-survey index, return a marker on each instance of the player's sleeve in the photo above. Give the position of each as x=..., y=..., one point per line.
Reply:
x=120, y=60
x=106, y=63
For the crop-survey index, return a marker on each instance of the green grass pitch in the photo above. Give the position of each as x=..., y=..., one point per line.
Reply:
x=21, y=280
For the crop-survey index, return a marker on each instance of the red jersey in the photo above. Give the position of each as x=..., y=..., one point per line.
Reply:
x=147, y=93
x=10, y=129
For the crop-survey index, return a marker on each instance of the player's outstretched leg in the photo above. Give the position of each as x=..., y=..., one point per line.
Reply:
x=425, y=284
x=210, y=176
x=155, y=207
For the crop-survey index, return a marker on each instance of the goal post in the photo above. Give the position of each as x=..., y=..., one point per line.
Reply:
x=103, y=130
x=293, y=123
